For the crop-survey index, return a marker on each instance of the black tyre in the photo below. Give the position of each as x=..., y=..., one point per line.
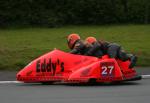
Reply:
x=47, y=83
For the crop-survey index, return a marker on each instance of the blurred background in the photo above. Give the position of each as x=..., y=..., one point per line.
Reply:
x=54, y=13
x=29, y=28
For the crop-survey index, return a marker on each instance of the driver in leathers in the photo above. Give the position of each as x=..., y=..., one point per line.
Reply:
x=112, y=49
x=77, y=45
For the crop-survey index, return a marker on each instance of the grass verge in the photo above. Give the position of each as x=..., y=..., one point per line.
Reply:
x=20, y=46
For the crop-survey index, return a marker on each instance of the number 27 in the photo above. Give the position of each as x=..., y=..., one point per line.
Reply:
x=107, y=70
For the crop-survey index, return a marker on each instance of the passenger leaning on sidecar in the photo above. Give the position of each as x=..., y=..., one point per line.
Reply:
x=95, y=49
x=112, y=49
x=77, y=45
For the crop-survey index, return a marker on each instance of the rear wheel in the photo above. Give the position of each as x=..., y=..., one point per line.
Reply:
x=47, y=82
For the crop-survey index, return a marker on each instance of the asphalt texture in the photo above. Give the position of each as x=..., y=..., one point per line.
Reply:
x=127, y=92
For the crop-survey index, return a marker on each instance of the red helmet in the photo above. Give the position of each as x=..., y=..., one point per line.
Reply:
x=90, y=39
x=71, y=39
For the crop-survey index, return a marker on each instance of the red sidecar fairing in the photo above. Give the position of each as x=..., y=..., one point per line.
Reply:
x=105, y=70
x=60, y=66
x=53, y=66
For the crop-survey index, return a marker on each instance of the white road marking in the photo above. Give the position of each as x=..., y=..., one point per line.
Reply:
x=145, y=76
x=5, y=82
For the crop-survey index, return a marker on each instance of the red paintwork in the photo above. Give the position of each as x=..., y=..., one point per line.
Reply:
x=60, y=66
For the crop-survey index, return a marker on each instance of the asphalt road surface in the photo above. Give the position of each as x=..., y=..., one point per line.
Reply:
x=128, y=92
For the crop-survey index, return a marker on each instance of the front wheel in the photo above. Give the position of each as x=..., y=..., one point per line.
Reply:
x=92, y=81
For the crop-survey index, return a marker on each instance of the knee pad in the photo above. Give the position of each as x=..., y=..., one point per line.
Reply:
x=123, y=56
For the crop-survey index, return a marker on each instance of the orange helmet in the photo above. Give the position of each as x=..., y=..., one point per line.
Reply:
x=90, y=39
x=71, y=39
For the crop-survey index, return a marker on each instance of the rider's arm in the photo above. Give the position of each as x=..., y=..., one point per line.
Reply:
x=74, y=51
x=93, y=49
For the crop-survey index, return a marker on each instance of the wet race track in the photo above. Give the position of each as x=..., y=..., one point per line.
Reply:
x=128, y=92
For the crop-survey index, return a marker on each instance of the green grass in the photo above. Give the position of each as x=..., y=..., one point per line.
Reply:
x=20, y=46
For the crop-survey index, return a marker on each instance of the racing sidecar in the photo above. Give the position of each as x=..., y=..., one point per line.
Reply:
x=59, y=66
